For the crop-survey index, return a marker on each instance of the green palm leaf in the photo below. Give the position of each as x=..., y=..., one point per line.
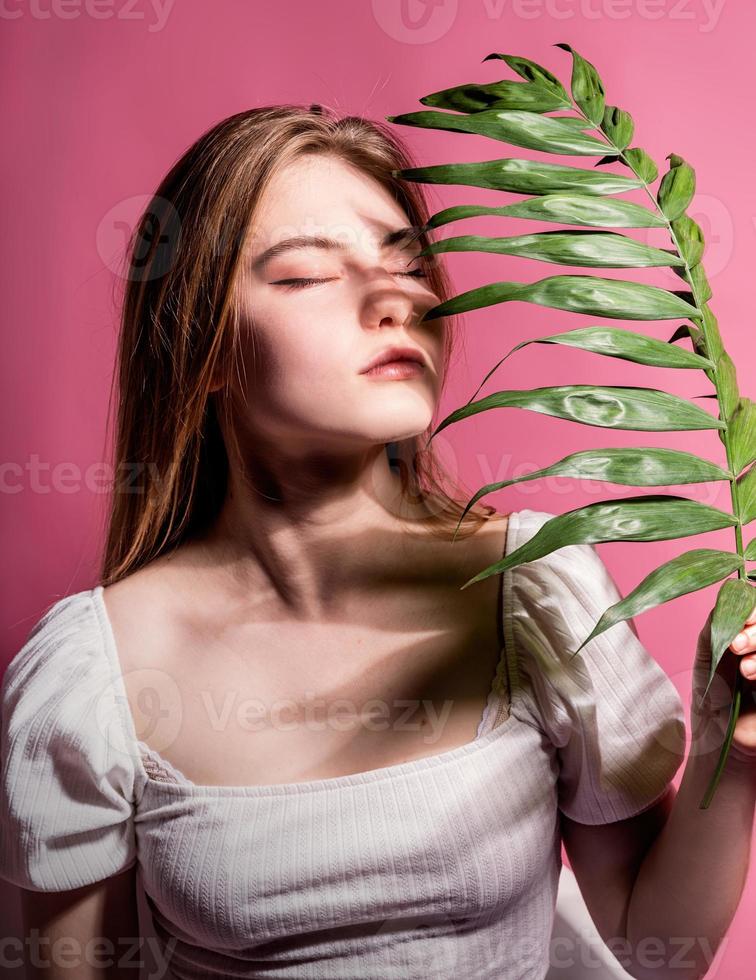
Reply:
x=592, y=248
x=608, y=406
x=498, y=95
x=734, y=604
x=521, y=176
x=618, y=126
x=742, y=433
x=587, y=88
x=517, y=126
x=654, y=517
x=616, y=342
x=642, y=466
x=686, y=573
x=567, y=209
x=746, y=495
x=616, y=298
x=533, y=72
x=587, y=125
x=676, y=188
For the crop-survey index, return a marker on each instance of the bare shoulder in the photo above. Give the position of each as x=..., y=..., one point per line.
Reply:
x=143, y=609
x=451, y=563
x=488, y=543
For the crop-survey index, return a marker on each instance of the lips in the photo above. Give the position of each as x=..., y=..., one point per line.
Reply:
x=389, y=354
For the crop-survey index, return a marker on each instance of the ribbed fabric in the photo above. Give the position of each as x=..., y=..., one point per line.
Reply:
x=444, y=866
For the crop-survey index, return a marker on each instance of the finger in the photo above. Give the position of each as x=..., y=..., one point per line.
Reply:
x=748, y=667
x=745, y=641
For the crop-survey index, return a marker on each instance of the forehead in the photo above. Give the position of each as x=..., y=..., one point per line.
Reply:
x=319, y=194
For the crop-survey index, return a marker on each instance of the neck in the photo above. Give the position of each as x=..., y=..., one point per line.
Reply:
x=308, y=533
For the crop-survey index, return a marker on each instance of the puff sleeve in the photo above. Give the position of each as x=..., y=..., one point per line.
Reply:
x=612, y=713
x=67, y=779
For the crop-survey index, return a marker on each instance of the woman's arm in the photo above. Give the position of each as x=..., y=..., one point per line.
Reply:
x=691, y=880
x=89, y=933
x=663, y=886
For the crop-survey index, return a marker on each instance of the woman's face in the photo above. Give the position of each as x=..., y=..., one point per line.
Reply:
x=305, y=345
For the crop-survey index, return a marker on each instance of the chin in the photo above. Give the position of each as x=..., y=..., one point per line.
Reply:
x=399, y=432
x=392, y=422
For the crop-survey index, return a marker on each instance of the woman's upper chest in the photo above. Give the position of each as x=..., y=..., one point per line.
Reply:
x=257, y=698
x=469, y=832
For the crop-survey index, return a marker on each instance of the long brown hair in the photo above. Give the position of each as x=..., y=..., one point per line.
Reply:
x=180, y=327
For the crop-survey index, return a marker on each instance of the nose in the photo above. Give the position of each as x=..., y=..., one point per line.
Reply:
x=389, y=306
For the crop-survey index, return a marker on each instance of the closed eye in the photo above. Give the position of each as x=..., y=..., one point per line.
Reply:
x=297, y=283
x=300, y=283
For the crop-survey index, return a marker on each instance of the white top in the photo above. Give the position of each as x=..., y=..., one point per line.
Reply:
x=443, y=866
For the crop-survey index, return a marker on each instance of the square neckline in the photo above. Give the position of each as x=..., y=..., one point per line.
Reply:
x=187, y=787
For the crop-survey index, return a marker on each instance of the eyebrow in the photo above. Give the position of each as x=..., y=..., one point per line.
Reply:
x=397, y=236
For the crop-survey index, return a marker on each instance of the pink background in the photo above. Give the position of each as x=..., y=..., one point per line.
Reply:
x=100, y=100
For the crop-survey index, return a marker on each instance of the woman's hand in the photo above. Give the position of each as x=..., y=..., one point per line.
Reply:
x=710, y=717
x=744, y=648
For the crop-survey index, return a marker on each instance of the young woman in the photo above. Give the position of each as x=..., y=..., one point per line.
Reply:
x=277, y=712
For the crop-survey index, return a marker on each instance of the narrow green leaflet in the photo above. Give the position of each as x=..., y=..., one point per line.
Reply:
x=521, y=176
x=566, y=209
x=641, y=163
x=746, y=494
x=677, y=187
x=600, y=249
x=615, y=342
x=521, y=128
x=533, y=72
x=689, y=238
x=686, y=573
x=710, y=326
x=698, y=281
x=689, y=330
x=654, y=517
x=618, y=126
x=611, y=407
x=728, y=384
x=750, y=551
x=616, y=298
x=587, y=88
x=743, y=435
x=499, y=95
x=642, y=466
x=735, y=602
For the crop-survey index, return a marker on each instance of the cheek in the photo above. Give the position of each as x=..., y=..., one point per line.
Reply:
x=283, y=357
